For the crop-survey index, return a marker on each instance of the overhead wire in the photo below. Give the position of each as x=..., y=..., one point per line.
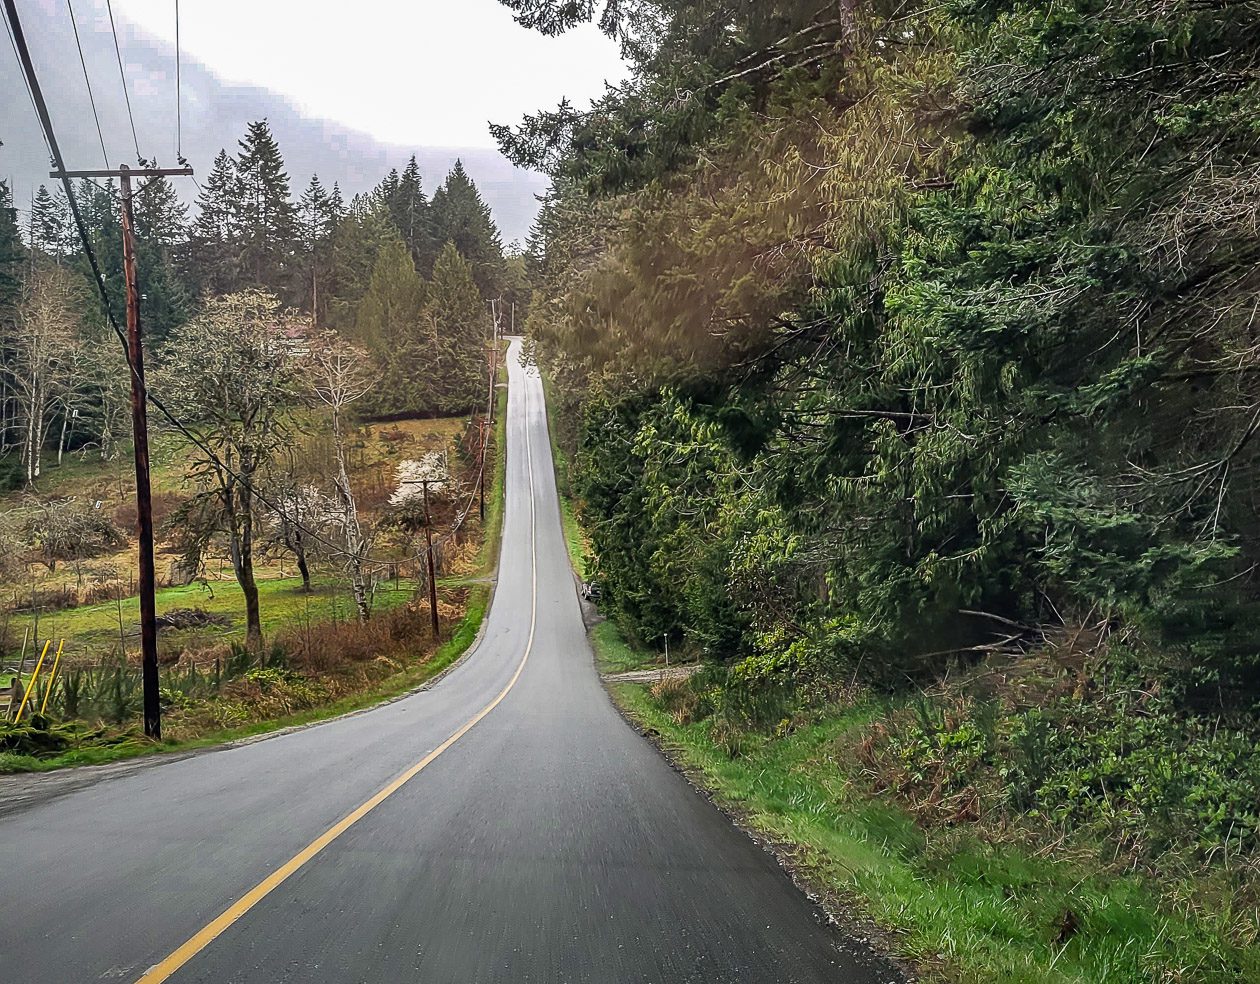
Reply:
x=109, y=6
x=26, y=84
x=179, y=120
x=87, y=79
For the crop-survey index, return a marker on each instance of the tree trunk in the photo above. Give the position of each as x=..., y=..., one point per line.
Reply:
x=359, y=588
x=61, y=441
x=240, y=518
x=300, y=554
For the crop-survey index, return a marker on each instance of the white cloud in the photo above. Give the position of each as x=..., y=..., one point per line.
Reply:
x=423, y=73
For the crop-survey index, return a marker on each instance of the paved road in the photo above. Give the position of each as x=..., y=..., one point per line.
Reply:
x=547, y=843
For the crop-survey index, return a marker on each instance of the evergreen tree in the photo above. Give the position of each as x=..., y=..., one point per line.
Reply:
x=456, y=329
x=317, y=218
x=462, y=218
x=359, y=236
x=50, y=223
x=12, y=256
x=11, y=253
x=388, y=324
x=266, y=220
x=409, y=210
x=161, y=218
x=336, y=204
x=212, y=259
x=166, y=302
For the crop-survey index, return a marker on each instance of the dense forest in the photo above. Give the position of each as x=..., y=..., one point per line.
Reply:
x=403, y=276
x=902, y=343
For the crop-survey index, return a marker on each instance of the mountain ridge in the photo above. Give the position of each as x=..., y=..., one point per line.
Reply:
x=214, y=115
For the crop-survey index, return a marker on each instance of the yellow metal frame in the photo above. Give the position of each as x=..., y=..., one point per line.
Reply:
x=52, y=677
x=31, y=686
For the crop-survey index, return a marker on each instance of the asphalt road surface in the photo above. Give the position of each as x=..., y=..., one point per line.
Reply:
x=504, y=826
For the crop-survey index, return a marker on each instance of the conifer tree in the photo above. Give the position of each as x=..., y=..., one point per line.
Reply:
x=49, y=223
x=456, y=326
x=461, y=217
x=167, y=302
x=12, y=256
x=409, y=210
x=317, y=219
x=212, y=259
x=161, y=218
x=359, y=235
x=11, y=252
x=266, y=219
x=388, y=324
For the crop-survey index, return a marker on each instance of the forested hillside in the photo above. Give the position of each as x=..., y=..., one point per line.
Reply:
x=376, y=270
x=909, y=349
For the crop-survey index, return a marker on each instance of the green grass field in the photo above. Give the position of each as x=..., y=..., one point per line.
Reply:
x=93, y=629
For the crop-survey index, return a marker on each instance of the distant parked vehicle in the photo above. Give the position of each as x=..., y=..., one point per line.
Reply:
x=591, y=591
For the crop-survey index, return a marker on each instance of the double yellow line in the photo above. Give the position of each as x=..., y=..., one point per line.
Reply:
x=208, y=934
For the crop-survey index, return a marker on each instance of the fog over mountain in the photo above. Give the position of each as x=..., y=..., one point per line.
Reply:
x=214, y=113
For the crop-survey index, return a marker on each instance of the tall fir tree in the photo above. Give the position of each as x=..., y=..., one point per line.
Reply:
x=317, y=219
x=409, y=210
x=212, y=260
x=461, y=217
x=361, y=231
x=161, y=218
x=388, y=325
x=266, y=220
x=166, y=302
x=50, y=222
x=12, y=259
x=456, y=329
x=12, y=254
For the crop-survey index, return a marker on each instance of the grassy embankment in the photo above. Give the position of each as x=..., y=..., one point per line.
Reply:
x=286, y=608
x=963, y=902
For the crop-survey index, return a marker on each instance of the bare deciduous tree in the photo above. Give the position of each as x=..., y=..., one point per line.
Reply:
x=232, y=374
x=44, y=344
x=340, y=374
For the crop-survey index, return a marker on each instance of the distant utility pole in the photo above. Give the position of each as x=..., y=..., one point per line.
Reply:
x=481, y=474
x=428, y=535
x=140, y=434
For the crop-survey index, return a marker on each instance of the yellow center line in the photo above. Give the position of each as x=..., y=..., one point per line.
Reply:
x=208, y=934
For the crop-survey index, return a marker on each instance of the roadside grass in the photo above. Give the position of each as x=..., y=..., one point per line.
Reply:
x=964, y=908
x=488, y=557
x=394, y=685
x=574, y=537
x=614, y=655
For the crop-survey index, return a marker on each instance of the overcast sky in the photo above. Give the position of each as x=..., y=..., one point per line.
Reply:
x=411, y=72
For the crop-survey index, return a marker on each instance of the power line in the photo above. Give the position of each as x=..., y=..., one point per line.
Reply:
x=74, y=23
x=26, y=84
x=179, y=123
x=123, y=75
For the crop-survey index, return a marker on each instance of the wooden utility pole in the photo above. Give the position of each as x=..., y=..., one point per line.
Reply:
x=140, y=443
x=481, y=472
x=140, y=437
x=428, y=535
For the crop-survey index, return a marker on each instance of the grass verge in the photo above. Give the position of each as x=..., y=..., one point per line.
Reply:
x=385, y=689
x=574, y=538
x=963, y=906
